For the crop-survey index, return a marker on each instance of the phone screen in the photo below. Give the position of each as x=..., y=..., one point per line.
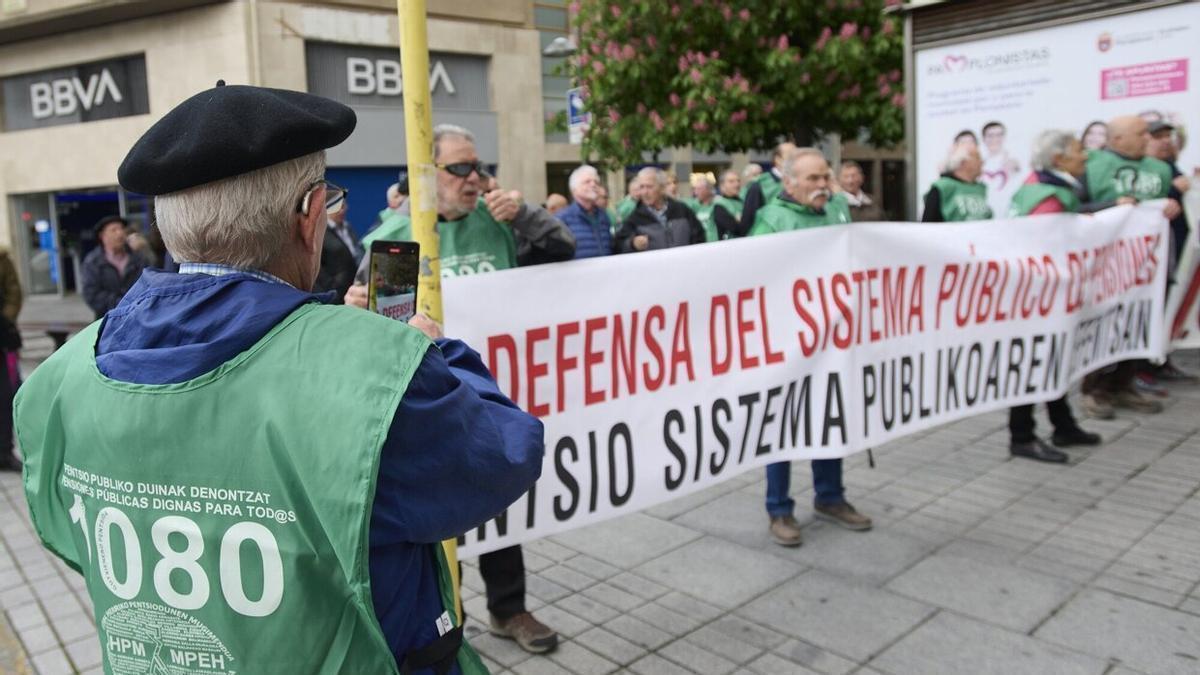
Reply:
x=392, y=283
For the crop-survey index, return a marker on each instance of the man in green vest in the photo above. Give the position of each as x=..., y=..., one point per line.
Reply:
x=1053, y=187
x=481, y=233
x=630, y=201
x=806, y=201
x=250, y=480
x=711, y=210
x=729, y=194
x=1122, y=172
x=397, y=202
x=957, y=195
x=762, y=189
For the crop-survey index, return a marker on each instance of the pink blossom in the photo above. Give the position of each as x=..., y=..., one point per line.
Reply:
x=696, y=76
x=691, y=105
x=783, y=42
x=744, y=86
x=898, y=100
x=598, y=66
x=739, y=117
x=675, y=10
x=769, y=107
x=584, y=59
x=614, y=115
x=657, y=120
x=848, y=30
x=727, y=12
x=701, y=58
x=641, y=108
x=651, y=42
x=594, y=48
x=700, y=126
x=892, y=3
x=627, y=52
x=710, y=100
x=714, y=55
x=616, y=11
x=674, y=98
x=744, y=15
x=866, y=33
x=824, y=39
x=894, y=75
x=698, y=3
x=885, y=90
x=889, y=27
x=881, y=80
x=683, y=64
x=573, y=8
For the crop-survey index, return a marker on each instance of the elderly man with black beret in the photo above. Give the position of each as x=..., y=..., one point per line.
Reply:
x=272, y=495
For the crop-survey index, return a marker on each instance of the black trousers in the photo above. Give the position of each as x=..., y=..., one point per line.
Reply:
x=1021, y=424
x=503, y=575
x=6, y=408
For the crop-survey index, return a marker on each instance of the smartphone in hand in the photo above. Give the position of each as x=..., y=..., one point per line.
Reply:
x=392, y=279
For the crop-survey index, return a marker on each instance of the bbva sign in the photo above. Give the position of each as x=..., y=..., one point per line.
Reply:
x=65, y=96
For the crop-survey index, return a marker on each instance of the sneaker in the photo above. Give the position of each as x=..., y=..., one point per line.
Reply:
x=532, y=635
x=1074, y=436
x=1146, y=384
x=1039, y=450
x=1098, y=406
x=843, y=514
x=785, y=531
x=1170, y=372
x=1131, y=399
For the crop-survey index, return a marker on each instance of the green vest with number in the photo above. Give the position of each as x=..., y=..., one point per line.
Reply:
x=704, y=213
x=730, y=204
x=222, y=523
x=474, y=244
x=783, y=215
x=962, y=201
x=1029, y=195
x=1111, y=176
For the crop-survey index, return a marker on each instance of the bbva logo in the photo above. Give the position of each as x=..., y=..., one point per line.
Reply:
x=65, y=96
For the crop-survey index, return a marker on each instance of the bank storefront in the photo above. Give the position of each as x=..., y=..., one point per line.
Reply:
x=75, y=102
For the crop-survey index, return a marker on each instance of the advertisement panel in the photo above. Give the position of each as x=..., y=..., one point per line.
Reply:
x=1006, y=90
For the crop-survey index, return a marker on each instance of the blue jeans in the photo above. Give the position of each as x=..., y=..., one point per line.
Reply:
x=827, y=483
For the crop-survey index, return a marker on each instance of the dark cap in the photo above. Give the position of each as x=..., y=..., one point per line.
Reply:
x=1155, y=127
x=402, y=183
x=106, y=221
x=229, y=131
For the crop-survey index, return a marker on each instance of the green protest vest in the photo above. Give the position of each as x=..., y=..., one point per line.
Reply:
x=475, y=244
x=1111, y=176
x=222, y=523
x=733, y=206
x=1029, y=195
x=704, y=213
x=782, y=215
x=962, y=201
x=626, y=207
x=770, y=186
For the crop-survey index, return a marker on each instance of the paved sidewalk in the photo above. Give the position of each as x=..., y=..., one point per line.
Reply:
x=978, y=564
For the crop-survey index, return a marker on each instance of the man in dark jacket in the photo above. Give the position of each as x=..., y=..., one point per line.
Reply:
x=760, y=191
x=658, y=221
x=110, y=269
x=341, y=251
x=588, y=222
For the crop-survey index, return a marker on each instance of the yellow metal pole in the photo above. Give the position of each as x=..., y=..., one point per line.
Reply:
x=422, y=175
x=422, y=181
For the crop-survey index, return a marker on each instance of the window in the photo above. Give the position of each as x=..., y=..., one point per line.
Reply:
x=552, y=21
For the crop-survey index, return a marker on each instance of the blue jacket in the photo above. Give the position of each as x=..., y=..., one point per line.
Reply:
x=593, y=231
x=458, y=451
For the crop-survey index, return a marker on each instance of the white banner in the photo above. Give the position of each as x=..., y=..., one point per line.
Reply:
x=1065, y=77
x=661, y=373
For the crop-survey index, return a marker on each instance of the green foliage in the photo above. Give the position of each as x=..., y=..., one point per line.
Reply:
x=736, y=74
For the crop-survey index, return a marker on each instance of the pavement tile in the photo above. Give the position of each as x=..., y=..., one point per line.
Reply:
x=697, y=659
x=726, y=646
x=567, y=577
x=611, y=646
x=587, y=608
x=773, y=664
x=1137, y=590
x=668, y=620
x=872, y=557
x=37, y=638
x=745, y=631
x=579, y=660
x=502, y=651
x=84, y=654
x=703, y=568
x=26, y=616
x=639, y=586
x=639, y=632
x=737, y=517
x=592, y=567
x=815, y=658
x=1144, y=636
x=614, y=597
x=653, y=664
x=72, y=628
x=53, y=662
x=850, y=619
x=628, y=541
x=562, y=621
x=544, y=589
x=955, y=644
x=1005, y=595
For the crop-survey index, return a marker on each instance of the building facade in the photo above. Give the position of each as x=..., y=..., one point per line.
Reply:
x=81, y=80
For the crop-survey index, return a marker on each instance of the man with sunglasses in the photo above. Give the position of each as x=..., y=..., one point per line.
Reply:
x=486, y=232
x=481, y=230
x=282, y=472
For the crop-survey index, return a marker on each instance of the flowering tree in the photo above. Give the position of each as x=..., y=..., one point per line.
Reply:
x=736, y=74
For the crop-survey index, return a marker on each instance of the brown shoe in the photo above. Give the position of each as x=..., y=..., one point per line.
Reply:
x=532, y=635
x=1135, y=401
x=785, y=531
x=843, y=514
x=1098, y=406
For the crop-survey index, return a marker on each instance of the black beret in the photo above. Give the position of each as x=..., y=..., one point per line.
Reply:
x=228, y=131
x=106, y=221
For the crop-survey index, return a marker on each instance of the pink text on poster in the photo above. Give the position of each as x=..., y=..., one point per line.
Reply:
x=1145, y=79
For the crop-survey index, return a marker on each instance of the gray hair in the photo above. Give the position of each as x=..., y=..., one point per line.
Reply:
x=446, y=130
x=751, y=169
x=960, y=153
x=242, y=221
x=1048, y=145
x=393, y=190
x=579, y=174
x=789, y=164
x=658, y=174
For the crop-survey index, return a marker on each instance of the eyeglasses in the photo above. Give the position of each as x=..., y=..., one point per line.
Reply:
x=335, y=197
x=464, y=169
